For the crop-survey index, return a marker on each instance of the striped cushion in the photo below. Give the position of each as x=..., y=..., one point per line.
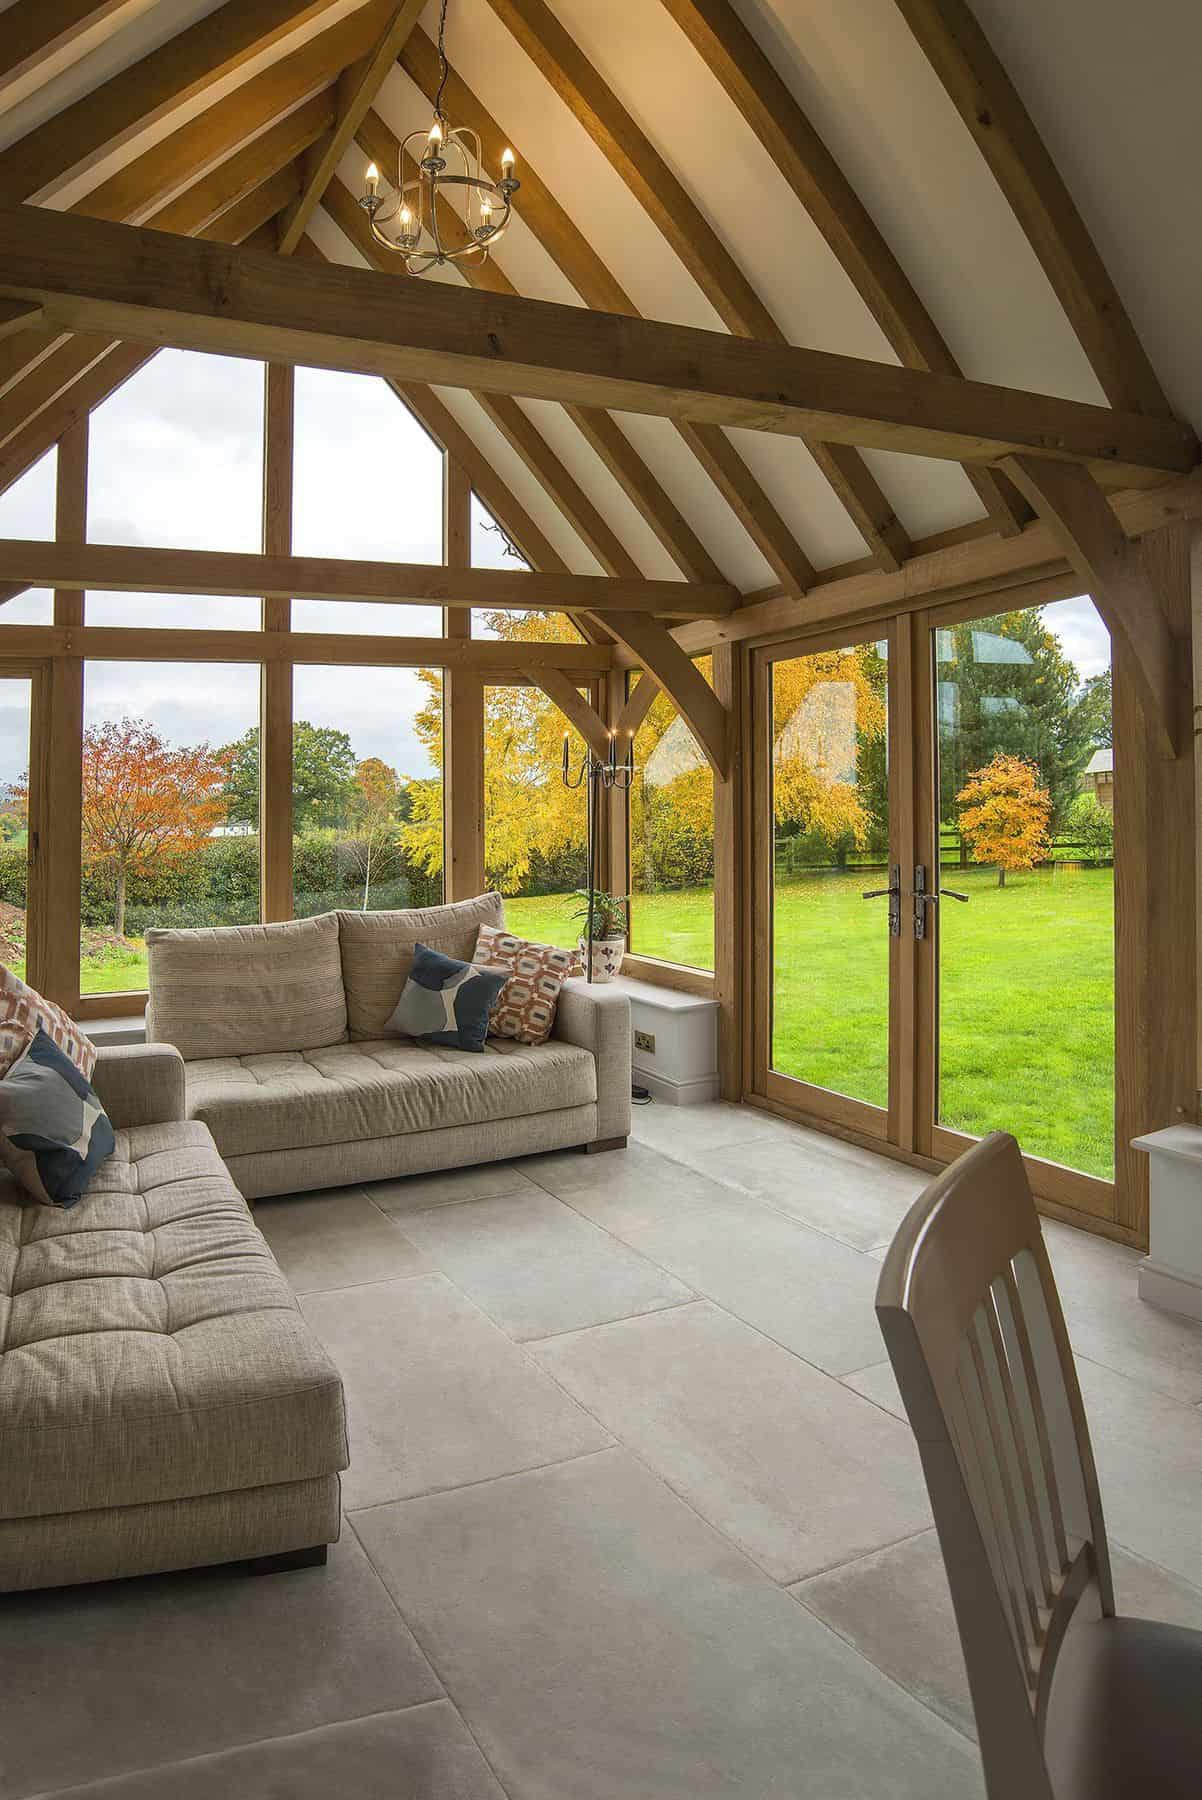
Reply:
x=24, y=1012
x=525, y=1010
x=377, y=952
x=246, y=990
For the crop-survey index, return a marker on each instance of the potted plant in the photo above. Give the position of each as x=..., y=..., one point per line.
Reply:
x=603, y=917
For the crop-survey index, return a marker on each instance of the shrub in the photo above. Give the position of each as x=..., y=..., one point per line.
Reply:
x=1092, y=826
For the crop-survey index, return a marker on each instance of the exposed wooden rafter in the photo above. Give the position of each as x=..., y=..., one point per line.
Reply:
x=150, y=286
x=18, y=315
x=36, y=30
x=139, y=568
x=578, y=260
x=560, y=689
x=1081, y=519
x=699, y=247
x=358, y=88
x=678, y=675
x=1007, y=138
x=774, y=114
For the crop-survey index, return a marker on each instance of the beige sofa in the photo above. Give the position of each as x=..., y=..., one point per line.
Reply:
x=163, y=1403
x=281, y=1028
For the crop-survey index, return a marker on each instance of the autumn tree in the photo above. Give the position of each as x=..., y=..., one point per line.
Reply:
x=145, y=800
x=1005, y=814
x=323, y=774
x=373, y=809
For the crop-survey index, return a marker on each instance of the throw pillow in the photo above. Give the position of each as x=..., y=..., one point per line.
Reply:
x=54, y=1133
x=535, y=974
x=23, y=1012
x=446, y=1001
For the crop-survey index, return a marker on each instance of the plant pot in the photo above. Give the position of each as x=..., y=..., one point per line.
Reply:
x=607, y=956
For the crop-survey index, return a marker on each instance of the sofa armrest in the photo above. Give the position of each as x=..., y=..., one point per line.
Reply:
x=597, y=1017
x=140, y=1084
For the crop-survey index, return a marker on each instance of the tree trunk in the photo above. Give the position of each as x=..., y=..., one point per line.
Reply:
x=1001, y=876
x=366, y=878
x=120, y=906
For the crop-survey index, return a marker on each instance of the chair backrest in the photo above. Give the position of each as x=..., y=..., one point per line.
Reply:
x=970, y=1315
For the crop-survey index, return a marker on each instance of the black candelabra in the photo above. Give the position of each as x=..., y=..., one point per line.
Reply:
x=614, y=773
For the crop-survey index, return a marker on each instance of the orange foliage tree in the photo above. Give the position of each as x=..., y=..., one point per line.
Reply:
x=1005, y=814
x=145, y=800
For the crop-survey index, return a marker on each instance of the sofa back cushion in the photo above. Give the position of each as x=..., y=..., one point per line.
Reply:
x=378, y=947
x=247, y=990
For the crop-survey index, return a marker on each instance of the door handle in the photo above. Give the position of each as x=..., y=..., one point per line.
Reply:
x=893, y=894
x=924, y=897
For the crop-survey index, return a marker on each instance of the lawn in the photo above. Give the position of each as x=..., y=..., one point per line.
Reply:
x=1027, y=1019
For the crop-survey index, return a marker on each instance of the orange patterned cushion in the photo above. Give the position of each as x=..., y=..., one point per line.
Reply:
x=525, y=1009
x=23, y=1011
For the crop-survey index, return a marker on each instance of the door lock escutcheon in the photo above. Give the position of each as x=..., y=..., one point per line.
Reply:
x=924, y=897
x=894, y=894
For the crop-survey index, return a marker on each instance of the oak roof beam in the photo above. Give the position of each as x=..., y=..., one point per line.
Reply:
x=358, y=88
x=1084, y=524
x=150, y=286
x=698, y=246
x=576, y=258
x=1004, y=132
x=752, y=82
x=139, y=568
x=36, y=30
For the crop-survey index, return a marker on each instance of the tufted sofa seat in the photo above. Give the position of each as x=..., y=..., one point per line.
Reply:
x=162, y=1401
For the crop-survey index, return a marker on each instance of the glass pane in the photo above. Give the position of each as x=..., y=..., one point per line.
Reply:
x=15, y=709
x=366, y=789
x=492, y=549
x=27, y=511
x=672, y=840
x=830, y=997
x=170, y=831
x=535, y=832
x=1026, y=795
x=176, y=458
x=182, y=612
x=367, y=483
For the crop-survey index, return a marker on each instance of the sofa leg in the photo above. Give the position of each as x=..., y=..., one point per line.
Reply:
x=312, y=1558
x=618, y=1143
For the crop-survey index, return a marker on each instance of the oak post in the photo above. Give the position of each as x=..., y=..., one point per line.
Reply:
x=731, y=871
x=57, y=869
x=462, y=712
x=275, y=725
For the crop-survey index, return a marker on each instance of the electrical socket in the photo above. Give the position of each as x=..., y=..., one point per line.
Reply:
x=645, y=1040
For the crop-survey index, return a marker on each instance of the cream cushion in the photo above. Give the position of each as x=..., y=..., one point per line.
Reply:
x=246, y=989
x=387, y=1088
x=377, y=953
x=150, y=1348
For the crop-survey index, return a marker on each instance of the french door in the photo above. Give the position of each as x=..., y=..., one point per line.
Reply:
x=932, y=887
x=23, y=889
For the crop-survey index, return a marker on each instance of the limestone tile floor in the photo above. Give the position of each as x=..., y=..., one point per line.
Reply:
x=633, y=1514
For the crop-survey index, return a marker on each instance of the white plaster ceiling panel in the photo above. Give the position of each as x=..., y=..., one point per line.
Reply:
x=674, y=465
x=927, y=494
x=669, y=91
x=583, y=463
x=868, y=89
x=1114, y=92
x=801, y=494
x=543, y=129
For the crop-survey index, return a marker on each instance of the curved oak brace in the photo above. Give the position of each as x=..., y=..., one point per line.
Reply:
x=574, y=707
x=1077, y=512
x=682, y=681
x=638, y=705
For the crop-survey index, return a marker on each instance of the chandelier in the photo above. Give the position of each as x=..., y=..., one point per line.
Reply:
x=434, y=169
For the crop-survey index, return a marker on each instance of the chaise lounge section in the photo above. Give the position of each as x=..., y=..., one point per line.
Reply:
x=163, y=1403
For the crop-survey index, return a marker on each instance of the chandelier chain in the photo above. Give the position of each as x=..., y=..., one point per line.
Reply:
x=443, y=67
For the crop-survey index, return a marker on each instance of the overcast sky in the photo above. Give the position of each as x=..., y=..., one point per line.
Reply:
x=175, y=460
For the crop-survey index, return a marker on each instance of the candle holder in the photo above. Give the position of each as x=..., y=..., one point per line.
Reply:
x=615, y=774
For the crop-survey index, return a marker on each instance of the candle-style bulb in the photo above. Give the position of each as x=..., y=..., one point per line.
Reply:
x=373, y=180
x=507, y=161
x=435, y=136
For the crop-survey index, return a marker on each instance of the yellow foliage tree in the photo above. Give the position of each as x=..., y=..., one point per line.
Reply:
x=1005, y=814
x=807, y=794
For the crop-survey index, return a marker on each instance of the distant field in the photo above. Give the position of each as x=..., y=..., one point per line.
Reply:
x=1027, y=1017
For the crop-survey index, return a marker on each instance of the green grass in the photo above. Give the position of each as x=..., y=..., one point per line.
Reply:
x=1027, y=1011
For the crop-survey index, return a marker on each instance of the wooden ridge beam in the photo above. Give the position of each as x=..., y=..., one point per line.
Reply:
x=748, y=76
x=150, y=286
x=574, y=255
x=685, y=227
x=1081, y=519
x=139, y=568
x=358, y=88
x=506, y=663
x=677, y=674
x=563, y=692
x=181, y=70
x=603, y=434
x=1004, y=132
x=36, y=30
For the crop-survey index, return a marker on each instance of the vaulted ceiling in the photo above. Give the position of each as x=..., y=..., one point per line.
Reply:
x=1004, y=188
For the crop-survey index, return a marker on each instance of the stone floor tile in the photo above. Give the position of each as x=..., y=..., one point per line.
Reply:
x=861, y=1202
x=1109, y=1323
x=414, y=1193
x=436, y=1394
x=603, y=1642
x=335, y=1239
x=125, y=1674
x=1148, y=1450
x=879, y=1384
x=785, y=1461
x=537, y=1267
x=692, y=1131
x=627, y=1190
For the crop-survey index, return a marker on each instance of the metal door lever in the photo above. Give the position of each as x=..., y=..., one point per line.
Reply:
x=893, y=894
